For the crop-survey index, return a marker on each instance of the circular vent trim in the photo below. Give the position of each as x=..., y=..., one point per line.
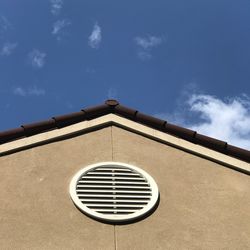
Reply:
x=114, y=191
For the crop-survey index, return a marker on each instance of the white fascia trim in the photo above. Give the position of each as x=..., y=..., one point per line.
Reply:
x=112, y=119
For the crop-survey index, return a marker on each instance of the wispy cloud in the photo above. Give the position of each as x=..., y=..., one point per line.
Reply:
x=56, y=6
x=146, y=44
x=36, y=91
x=4, y=24
x=58, y=28
x=228, y=119
x=112, y=93
x=96, y=37
x=90, y=70
x=30, y=91
x=37, y=58
x=144, y=55
x=8, y=48
x=19, y=91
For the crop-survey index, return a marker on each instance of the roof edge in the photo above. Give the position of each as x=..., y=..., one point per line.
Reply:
x=121, y=122
x=113, y=106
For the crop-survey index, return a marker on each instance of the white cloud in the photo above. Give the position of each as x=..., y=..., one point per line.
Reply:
x=56, y=6
x=227, y=120
x=30, y=91
x=148, y=42
x=96, y=37
x=145, y=45
x=37, y=58
x=8, y=48
x=58, y=27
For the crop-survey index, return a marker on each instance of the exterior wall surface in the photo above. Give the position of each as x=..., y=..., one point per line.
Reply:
x=36, y=210
x=203, y=205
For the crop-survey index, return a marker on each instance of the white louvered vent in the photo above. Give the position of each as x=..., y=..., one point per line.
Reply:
x=114, y=191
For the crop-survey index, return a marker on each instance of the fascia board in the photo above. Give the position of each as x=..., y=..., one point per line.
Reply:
x=111, y=119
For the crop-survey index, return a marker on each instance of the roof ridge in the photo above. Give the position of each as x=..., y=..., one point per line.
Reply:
x=113, y=106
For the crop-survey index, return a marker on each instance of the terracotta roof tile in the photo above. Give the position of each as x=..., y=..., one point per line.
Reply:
x=125, y=112
x=96, y=111
x=11, y=135
x=66, y=120
x=239, y=153
x=113, y=106
x=181, y=132
x=38, y=127
x=210, y=142
x=150, y=120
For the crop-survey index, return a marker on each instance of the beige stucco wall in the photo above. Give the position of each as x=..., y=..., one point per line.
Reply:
x=203, y=205
x=36, y=211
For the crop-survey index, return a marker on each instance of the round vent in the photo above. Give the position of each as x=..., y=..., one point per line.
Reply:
x=114, y=192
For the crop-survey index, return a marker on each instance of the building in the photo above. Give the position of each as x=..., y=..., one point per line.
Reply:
x=202, y=201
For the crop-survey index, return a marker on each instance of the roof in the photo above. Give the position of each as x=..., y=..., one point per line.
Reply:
x=114, y=107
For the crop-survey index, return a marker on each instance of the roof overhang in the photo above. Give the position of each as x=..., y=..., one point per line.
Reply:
x=115, y=120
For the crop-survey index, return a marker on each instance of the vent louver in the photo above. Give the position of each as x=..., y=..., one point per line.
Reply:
x=113, y=191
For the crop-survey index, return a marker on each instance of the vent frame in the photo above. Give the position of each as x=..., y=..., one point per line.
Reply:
x=115, y=218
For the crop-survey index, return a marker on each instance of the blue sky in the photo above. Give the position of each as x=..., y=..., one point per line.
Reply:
x=184, y=61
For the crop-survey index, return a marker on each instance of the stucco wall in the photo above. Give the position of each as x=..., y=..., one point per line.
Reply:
x=203, y=205
x=36, y=210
